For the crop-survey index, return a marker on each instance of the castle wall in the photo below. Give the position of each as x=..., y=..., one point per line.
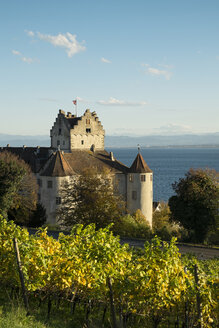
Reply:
x=60, y=136
x=88, y=132
x=49, y=188
x=120, y=185
x=86, y=141
x=70, y=132
x=140, y=194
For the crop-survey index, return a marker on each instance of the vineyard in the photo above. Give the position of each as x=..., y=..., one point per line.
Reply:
x=91, y=273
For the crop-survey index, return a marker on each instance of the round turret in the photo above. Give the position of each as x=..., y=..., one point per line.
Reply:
x=140, y=188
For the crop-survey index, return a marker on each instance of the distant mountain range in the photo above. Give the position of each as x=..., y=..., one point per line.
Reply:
x=207, y=139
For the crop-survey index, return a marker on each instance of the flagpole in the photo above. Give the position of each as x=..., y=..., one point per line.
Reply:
x=75, y=104
x=76, y=107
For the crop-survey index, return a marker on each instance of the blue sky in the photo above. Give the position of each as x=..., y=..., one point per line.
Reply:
x=145, y=67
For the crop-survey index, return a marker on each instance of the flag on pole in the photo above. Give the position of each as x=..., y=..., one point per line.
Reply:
x=74, y=102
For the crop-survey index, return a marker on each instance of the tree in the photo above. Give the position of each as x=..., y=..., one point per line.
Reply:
x=38, y=217
x=18, y=187
x=163, y=226
x=89, y=198
x=195, y=204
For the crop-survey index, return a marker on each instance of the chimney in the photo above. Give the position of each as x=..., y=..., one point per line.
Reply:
x=61, y=112
x=112, y=157
x=38, y=149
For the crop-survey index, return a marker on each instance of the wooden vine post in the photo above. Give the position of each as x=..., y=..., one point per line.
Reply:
x=17, y=253
x=198, y=298
x=112, y=307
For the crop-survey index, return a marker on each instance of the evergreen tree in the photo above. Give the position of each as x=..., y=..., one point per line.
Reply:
x=196, y=203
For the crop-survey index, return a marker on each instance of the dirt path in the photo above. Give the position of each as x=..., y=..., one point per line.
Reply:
x=202, y=252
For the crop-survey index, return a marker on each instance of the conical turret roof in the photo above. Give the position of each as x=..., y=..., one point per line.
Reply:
x=139, y=165
x=57, y=166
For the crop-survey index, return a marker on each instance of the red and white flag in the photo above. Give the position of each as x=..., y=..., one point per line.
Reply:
x=74, y=102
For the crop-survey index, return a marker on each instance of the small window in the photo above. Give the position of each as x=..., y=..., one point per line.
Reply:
x=131, y=178
x=39, y=181
x=58, y=200
x=60, y=132
x=63, y=143
x=82, y=142
x=134, y=194
x=58, y=142
x=49, y=184
x=143, y=178
x=87, y=121
x=88, y=130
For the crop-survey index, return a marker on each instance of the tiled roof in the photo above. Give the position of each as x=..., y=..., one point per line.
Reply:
x=64, y=164
x=139, y=165
x=56, y=166
x=34, y=156
x=79, y=160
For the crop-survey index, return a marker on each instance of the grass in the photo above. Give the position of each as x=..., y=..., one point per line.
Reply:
x=13, y=314
x=16, y=317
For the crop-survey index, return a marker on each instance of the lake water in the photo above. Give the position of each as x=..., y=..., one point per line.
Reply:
x=169, y=164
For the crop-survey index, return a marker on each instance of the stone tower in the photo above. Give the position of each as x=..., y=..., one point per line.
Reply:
x=70, y=132
x=140, y=188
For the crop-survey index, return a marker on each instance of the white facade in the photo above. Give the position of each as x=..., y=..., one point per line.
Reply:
x=140, y=194
x=49, y=191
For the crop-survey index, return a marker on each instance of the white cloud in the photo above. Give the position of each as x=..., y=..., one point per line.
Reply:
x=30, y=33
x=23, y=58
x=104, y=60
x=27, y=60
x=173, y=128
x=82, y=100
x=67, y=41
x=116, y=102
x=16, y=53
x=157, y=72
x=146, y=65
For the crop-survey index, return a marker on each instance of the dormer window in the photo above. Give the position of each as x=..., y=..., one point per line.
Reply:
x=88, y=130
x=60, y=132
x=143, y=178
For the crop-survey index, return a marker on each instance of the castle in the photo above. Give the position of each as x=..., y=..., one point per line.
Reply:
x=77, y=143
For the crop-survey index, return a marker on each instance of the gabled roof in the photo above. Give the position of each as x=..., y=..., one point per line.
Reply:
x=66, y=164
x=56, y=166
x=33, y=156
x=80, y=160
x=139, y=165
